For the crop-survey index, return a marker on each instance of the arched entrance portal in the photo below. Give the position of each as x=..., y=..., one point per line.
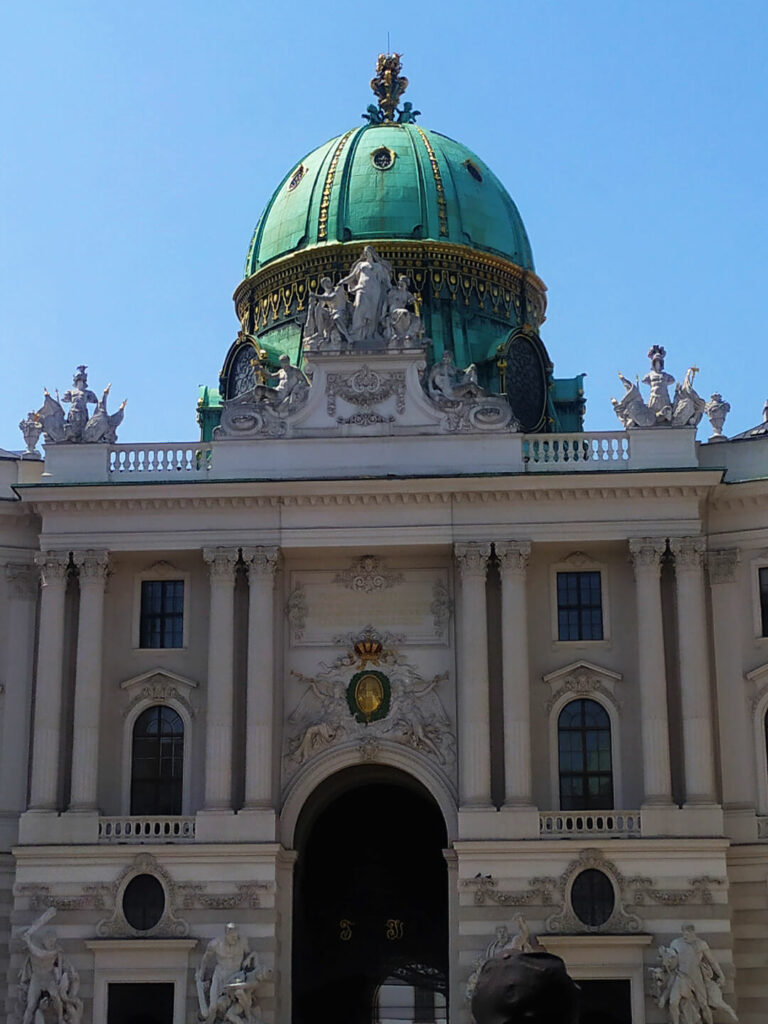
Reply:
x=370, y=925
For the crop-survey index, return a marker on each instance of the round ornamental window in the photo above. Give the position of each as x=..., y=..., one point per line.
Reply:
x=592, y=897
x=143, y=902
x=382, y=158
x=473, y=169
x=298, y=174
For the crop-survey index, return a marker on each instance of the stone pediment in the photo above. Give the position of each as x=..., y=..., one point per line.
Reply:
x=581, y=677
x=159, y=684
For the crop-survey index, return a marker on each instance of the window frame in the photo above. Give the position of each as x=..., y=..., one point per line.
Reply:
x=757, y=607
x=580, y=562
x=160, y=573
x=184, y=740
x=129, y=721
x=608, y=705
x=584, y=773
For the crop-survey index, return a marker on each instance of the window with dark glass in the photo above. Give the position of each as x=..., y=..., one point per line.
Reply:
x=763, y=581
x=584, y=748
x=592, y=897
x=162, y=613
x=579, y=606
x=157, y=762
x=143, y=902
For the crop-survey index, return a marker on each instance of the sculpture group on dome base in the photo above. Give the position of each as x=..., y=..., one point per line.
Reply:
x=78, y=425
x=684, y=409
x=364, y=347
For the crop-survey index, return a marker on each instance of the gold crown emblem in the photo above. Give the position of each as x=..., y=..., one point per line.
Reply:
x=368, y=650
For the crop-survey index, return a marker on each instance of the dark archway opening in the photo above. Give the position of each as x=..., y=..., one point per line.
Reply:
x=370, y=901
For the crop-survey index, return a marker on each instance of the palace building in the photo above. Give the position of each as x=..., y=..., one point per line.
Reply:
x=305, y=718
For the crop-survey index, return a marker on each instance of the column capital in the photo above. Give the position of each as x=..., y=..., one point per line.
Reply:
x=688, y=552
x=721, y=565
x=221, y=563
x=472, y=558
x=645, y=553
x=92, y=565
x=513, y=556
x=22, y=578
x=53, y=566
x=262, y=562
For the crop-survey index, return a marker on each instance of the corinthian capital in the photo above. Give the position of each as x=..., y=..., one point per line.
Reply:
x=513, y=556
x=721, y=565
x=221, y=562
x=53, y=566
x=262, y=562
x=688, y=552
x=92, y=565
x=22, y=579
x=472, y=558
x=646, y=552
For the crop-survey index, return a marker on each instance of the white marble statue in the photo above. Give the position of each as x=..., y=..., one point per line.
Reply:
x=446, y=382
x=402, y=325
x=327, y=317
x=716, y=410
x=631, y=409
x=687, y=406
x=689, y=983
x=227, y=980
x=31, y=428
x=48, y=984
x=368, y=282
x=78, y=426
x=685, y=409
x=659, y=382
x=503, y=940
x=291, y=386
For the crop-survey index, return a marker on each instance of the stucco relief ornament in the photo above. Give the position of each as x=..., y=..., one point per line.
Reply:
x=689, y=983
x=228, y=980
x=79, y=426
x=684, y=409
x=264, y=409
x=467, y=405
x=367, y=575
x=392, y=702
x=48, y=983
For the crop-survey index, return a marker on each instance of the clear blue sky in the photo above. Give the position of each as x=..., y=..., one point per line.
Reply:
x=140, y=142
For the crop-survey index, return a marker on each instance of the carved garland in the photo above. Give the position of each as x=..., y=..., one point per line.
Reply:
x=621, y=920
x=485, y=890
x=366, y=388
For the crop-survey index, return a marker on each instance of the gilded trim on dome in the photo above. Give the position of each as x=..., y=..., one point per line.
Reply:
x=441, y=208
x=325, y=202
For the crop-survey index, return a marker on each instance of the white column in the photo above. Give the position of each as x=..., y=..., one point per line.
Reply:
x=694, y=670
x=646, y=555
x=260, y=702
x=735, y=726
x=46, y=743
x=19, y=642
x=93, y=566
x=513, y=563
x=472, y=684
x=221, y=636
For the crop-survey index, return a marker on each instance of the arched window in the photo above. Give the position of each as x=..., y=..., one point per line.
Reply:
x=157, y=762
x=584, y=747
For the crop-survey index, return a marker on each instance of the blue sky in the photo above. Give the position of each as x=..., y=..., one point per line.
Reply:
x=140, y=142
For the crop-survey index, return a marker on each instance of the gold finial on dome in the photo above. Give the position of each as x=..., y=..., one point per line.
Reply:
x=388, y=86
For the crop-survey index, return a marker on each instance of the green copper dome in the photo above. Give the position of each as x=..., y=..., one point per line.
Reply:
x=390, y=181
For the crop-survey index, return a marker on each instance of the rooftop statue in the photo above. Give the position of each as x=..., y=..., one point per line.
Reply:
x=446, y=382
x=264, y=409
x=684, y=409
x=689, y=983
x=388, y=86
x=327, y=318
x=78, y=425
x=227, y=980
x=402, y=325
x=368, y=283
x=47, y=982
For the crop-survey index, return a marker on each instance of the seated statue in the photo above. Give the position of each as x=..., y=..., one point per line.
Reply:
x=290, y=389
x=402, y=325
x=446, y=382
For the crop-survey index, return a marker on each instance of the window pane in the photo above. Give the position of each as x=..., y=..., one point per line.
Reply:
x=162, y=613
x=584, y=746
x=157, y=762
x=763, y=575
x=579, y=606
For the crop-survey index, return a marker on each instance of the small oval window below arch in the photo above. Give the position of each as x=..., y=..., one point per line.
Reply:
x=143, y=902
x=592, y=897
x=473, y=169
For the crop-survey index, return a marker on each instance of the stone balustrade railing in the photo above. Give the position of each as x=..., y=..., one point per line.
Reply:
x=150, y=829
x=572, y=452
x=160, y=461
x=589, y=823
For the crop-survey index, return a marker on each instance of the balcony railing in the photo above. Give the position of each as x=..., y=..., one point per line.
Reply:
x=572, y=452
x=170, y=461
x=589, y=823
x=140, y=829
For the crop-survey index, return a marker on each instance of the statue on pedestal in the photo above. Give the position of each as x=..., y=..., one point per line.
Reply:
x=78, y=426
x=368, y=283
x=402, y=326
x=327, y=317
x=227, y=980
x=31, y=428
x=716, y=410
x=446, y=382
x=48, y=984
x=689, y=983
x=685, y=409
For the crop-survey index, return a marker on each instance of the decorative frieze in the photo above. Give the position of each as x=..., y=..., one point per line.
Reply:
x=247, y=895
x=485, y=890
x=90, y=897
x=367, y=574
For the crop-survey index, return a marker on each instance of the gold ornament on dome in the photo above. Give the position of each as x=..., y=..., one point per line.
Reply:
x=388, y=84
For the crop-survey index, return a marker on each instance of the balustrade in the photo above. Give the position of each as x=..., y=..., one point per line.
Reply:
x=151, y=829
x=603, y=823
x=160, y=461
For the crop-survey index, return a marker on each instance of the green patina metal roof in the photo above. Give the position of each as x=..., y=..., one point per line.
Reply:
x=435, y=189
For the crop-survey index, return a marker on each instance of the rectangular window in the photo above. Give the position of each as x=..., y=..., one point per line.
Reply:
x=579, y=606
x=162, y=613
x=763, y=581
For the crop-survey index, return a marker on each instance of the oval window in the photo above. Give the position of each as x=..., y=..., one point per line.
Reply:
x=143, y=902
x=298, y=174
x=382, y=158
x=592, y=897
x=473, y=169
